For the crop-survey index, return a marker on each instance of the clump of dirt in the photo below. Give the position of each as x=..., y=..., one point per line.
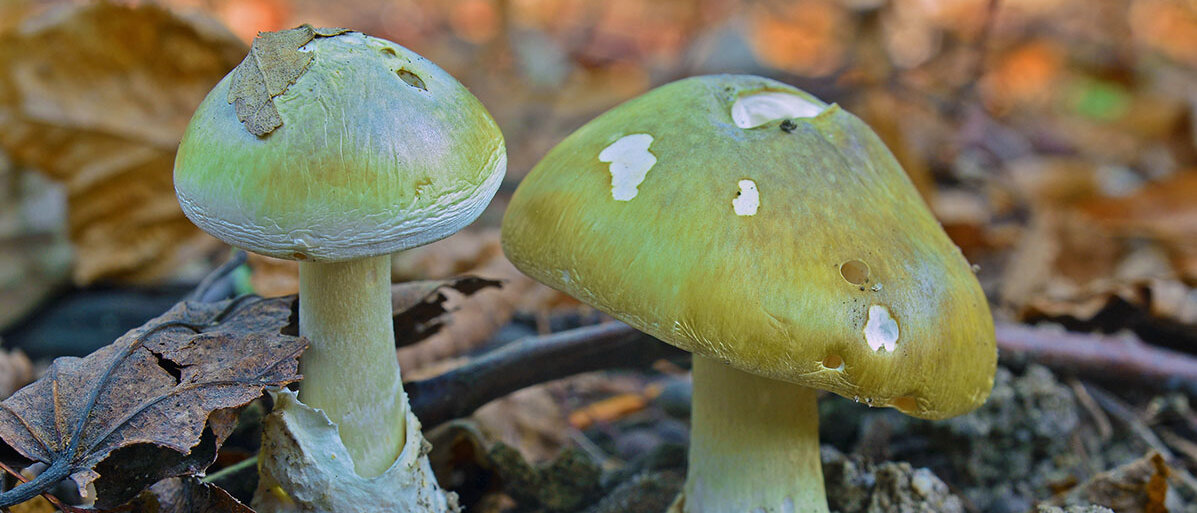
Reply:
x=856, y=485
x=1037, y=445
x=567, y=483
x=1013, y=449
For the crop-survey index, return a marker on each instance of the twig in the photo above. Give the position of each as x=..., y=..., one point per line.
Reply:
x=596, y=453
x=231, y=469
x=1104, y=430
x=1122, y=357
x=1126, y=415
x=529, y=361
x=208, y=284
x=1123, y=412
x=533, y=360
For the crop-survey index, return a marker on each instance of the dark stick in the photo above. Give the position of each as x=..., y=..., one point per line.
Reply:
x=534, y=360
x=529, y=361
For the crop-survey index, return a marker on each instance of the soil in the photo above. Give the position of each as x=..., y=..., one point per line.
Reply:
x=1035, y=446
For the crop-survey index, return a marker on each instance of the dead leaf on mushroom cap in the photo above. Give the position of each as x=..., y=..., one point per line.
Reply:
x=273, y=64
x=135, y=411
x=96, y=96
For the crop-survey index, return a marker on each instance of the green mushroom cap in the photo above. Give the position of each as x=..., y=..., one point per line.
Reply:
x=749, y=222
x=351, y=146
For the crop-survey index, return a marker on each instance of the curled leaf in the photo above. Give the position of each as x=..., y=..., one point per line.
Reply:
x=153, y=404
x=419, y=307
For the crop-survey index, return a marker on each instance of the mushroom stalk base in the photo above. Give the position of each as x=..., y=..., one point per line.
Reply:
x=350, y=370
x=304, y=468
x=754, y=445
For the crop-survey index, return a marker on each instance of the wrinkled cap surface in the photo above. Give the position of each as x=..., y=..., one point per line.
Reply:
x=378, y=150
x=795, y=248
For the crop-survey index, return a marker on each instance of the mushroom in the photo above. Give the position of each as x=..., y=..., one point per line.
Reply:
x=337, y=149
x=776, y=238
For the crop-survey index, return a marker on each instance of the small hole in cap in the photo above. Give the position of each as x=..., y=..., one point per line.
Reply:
x=833, y=361
x=299, y=256
x=412, y=79
x=855, y=272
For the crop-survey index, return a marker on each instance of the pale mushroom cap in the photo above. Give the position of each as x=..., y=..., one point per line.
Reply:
x=368, y=160
x=796, y=249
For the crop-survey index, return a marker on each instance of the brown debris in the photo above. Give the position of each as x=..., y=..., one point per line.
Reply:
x=477, y=317
x=273, y=277
x=857, y=486
x=187, y=495
x=16, y=371
x=422, y=308
x=104, y=119
x=156, y=402
x=1140, y=486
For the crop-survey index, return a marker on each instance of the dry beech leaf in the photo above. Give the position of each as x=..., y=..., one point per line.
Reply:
x=134, y=412
x=1164, y=211
x=187, y=495
x=96, y=96
x=273, y=64
x=530, y=420
x=419, y=307
x=475, y=318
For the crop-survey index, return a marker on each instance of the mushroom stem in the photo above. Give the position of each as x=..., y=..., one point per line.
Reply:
x=754, y=444
x=350, y=370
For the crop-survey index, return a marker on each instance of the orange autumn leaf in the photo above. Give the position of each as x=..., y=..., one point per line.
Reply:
x=1023, y=77
x=807, y=38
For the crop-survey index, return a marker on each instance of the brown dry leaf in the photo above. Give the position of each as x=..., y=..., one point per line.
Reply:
x=1165, y=211
x=1086, y=252
x=1140, y=486
x=420, y=307
x=273, y=64
x=96, y=96
x=1060, y=251
x=135, y=411
x=1158, y=299
x=16, y=371
x=529, y=420
x=475, y=318
x=187, y=495
x=273, y=277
